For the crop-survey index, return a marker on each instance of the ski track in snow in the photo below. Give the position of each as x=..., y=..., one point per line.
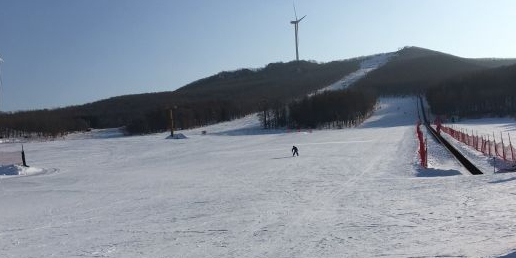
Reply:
x=237, y=192
x=366, y=66
x=440, y=160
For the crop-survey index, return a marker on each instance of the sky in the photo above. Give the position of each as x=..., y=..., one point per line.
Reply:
x=69, y=52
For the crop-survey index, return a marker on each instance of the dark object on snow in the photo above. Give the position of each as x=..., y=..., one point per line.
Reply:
x=23, y=157
x=177, y=136
x=294, y=151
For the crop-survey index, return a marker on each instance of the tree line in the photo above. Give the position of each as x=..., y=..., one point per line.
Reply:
x=486, y=93
x=329, y=109
x=221, y=97
x=41, y=123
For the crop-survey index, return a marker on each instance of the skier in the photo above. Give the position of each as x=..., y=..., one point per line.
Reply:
x=439, y=125
x=294, y=151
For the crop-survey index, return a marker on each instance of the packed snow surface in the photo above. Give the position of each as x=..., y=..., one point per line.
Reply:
x=96, y=134
x=350, y=193
x=500, y=128
x=488, y=127
x=369, y=64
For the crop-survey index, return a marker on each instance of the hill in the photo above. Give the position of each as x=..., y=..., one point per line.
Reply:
x=414, y=69
x=486, y=93
x=221, y=97
x=233, y=94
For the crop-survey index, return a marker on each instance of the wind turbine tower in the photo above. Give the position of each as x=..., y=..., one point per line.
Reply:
x=1, y=61
x=296, y=28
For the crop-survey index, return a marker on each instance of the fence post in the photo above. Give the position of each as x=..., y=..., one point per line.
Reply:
x=503, y=147
x=476, y=141
x=482, y=146
x=489, y=143
x=426, y=153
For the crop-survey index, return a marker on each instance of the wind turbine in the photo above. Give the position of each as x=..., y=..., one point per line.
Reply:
x=1, y=61
x=296, y=28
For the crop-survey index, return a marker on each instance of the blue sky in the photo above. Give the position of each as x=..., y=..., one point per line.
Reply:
x=65, y=52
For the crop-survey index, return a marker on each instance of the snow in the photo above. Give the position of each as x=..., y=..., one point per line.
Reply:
x=237, y=192
x=432, y=172
x=96, y=134
x=489, y=126
x=369, y=64
x=511, y=255
x=440, y=160
x=6, y=171
x=177, y=136
x=10, y=140
x=484, y=127
x=245, y=126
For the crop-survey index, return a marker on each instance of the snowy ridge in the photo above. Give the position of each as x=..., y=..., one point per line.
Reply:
x=366, y=66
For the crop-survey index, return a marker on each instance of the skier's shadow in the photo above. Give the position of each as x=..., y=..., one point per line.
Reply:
x=286, y=157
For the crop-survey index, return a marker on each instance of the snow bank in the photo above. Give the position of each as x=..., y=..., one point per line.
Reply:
x=432, y=172
x=97, y=134
x=177, y=136
x=15, y=170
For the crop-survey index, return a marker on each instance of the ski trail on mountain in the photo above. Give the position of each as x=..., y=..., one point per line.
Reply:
x=368, y=65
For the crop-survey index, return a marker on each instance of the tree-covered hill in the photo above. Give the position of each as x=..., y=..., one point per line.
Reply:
x=413, y=70
x=217, y=98
x=485, y=93
x=232, y=94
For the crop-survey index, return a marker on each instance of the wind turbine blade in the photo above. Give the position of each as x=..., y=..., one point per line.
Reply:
x=295, y=13
x=301, y=18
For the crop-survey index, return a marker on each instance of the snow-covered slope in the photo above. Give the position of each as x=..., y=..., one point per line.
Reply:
x=499, y=127
x=96, y=134
x=369, y=64
x=350, y=193
x=489, y=126
x=245, y=126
